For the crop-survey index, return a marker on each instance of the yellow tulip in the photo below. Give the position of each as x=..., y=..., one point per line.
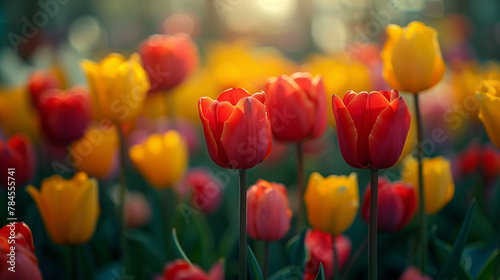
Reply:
x=117, y=87
x=95, y=151
x=332, y=202
x=438, y=182
x=69, y=208
x=488, y=94
x=412, y=58
x=466, y=80
x=17, y=113
x=161, y=159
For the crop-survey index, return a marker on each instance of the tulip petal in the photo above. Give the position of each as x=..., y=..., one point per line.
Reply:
x=47, y=216
x=233, y=95
x=321, y=117
x=83, y=217
x=408, y=196
x=274, y=221
x=346, y=132
x=245, y=136
x=389, y=133
x=207, y=115
x=489, y=114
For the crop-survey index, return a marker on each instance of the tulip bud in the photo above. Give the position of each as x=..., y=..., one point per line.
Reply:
x=412, y=58
x=137, y=210
x=168, y=60
x=237, y=128
x=412, y=273
x=396, y=205
x=18, y=154
x=64, y=116
x=438, y=181
x=268, y=214
x=38, y=83
x=364, y=121
x=96, y=151
x=69, y=208
x=320, y=247
x=20, y=263
x=332, y=202
x=182, y=270
x=297, y=107
x=488, y=94
x=117, y=87
x=161, y=159
x=206, y=190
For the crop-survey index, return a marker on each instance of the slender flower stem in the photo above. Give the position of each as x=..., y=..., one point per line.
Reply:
x=243, y=224
x=336, y=268
x=123, y=191
x=423, y=217
x=300, y=186
x=372, y=227
x=354, y=258
x=74, y=273
x=266, y=259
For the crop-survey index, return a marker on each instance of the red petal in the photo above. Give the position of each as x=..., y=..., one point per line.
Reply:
x=246, y=134
x=388, y=135
x=346, y=132
x=209, y=111
x=409, y=199
x=321, y=118
x=358, y=110
x=233, y=95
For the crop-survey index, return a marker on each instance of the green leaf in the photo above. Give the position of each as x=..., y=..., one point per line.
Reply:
x=442, y=250
x=321, y=273
x=449, y=270
x=284, y=273
x=144, y=257
x=178, y=251
x=296, y=249
x=488, y=269
x=255, y=272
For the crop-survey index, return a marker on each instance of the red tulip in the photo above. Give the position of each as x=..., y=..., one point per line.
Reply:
x=397, y=204
x=412, y=273
x=64, y=116
x=237, y=128
x=182, y=270
x=168, y=60
x=297, y=107
x=17, y=153
x=485, y=159
x=38, y=83
x=268, y=214
x=206, y=191
x=371, y=127
x=320, y=247
x=25, y=264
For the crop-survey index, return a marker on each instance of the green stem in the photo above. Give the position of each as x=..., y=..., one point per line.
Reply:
x=354, y=258
x=266, y=258
x=74, y=273
x=300, y=186
x=372, y=227
x=166, y=203
x=243, y=224
x=497, y=269
x=423, y=217
x=123, y=191
x=336, y=268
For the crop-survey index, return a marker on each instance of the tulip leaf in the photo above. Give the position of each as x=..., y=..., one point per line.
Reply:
x=449, y=270
x=255, y=272
x=178, y=251
x=442, y=250
x=284, y=273
x=144, y=256
x=321, y=273
x=488, y=269
x=297, y=249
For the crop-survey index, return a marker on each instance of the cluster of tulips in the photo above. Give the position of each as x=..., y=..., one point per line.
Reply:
x=95, y=128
